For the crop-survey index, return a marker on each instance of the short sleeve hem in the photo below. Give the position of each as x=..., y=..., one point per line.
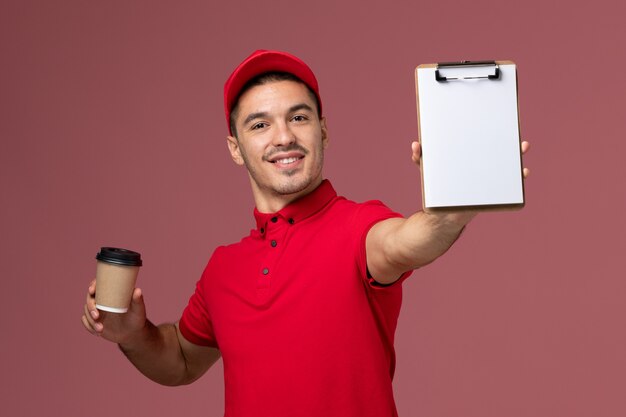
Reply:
x=362, y=255
x=188, y=334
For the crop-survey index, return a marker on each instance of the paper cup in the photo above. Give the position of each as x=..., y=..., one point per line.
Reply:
x=116, y=275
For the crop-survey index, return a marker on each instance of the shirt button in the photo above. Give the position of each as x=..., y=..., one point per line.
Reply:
x=274, y=219
x=291, y=221
x=266, y=271
x=274, y=243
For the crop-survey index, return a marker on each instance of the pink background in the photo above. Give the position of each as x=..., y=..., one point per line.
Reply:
x=113, y=134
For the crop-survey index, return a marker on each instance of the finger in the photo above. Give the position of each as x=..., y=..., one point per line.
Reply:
x=526, y=172
x=525, y=146
x=90, y=323
x=87, y=326
x=92, y=287
x=137, y=296
x=416, y=149
x=137, y=303
x=92, y=318
x=90, y=306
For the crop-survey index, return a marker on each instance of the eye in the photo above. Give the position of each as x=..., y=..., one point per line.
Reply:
x=299, y=118
x=259, y=125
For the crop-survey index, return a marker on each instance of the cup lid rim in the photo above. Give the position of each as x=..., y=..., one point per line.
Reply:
x=119, y=256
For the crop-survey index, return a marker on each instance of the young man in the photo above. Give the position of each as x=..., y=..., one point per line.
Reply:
x=303, y=311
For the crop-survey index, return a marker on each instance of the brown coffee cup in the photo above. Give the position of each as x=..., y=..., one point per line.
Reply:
x=116, y=275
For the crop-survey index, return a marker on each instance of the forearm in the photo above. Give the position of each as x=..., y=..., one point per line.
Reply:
x=425, y=236
x=418, y=240
x=155, y=351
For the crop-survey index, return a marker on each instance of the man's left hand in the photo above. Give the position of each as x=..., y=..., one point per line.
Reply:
x=459, y=217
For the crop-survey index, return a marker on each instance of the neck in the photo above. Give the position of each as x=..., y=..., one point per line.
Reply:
x=269, y=201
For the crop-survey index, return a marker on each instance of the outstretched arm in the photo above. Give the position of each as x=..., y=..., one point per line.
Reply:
x=397, y=245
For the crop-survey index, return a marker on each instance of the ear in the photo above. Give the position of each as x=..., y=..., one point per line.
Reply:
x=324, y=132
x=235, y=151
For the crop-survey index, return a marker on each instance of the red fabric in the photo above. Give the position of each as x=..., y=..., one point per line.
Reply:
x=314, y=335
x=262, y=61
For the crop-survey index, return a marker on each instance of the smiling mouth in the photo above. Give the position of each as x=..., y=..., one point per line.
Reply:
x=286, y=161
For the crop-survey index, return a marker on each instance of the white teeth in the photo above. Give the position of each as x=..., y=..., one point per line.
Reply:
x=286, y=160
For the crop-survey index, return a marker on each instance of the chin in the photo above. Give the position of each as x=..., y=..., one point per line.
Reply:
x=293, y=185
x=291, y=188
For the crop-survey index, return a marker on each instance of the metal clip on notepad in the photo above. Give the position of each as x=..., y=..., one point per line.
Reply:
x=465, y=64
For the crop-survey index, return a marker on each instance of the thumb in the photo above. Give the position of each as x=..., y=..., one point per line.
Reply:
x=416, y=149
x=137, y=304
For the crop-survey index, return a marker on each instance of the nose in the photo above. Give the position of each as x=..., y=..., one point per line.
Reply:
x=284, y=135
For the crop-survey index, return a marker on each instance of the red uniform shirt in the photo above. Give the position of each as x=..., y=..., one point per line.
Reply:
x=303, y=331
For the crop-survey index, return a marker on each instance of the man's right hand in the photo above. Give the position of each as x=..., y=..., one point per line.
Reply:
x=116, y=327
x=159, y=352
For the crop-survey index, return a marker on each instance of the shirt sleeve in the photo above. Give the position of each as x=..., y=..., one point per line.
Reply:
x=195, y=324
x=366, y=216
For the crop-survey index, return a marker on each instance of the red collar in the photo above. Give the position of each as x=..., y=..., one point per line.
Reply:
x=300, y=209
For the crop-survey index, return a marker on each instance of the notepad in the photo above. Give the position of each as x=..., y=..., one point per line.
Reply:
x=469, y=132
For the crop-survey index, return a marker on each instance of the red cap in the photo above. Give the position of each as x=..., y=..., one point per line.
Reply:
x=262, y=61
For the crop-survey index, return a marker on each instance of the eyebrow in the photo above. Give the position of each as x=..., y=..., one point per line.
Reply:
x=294, y=108
x=301, y=106
x=253, y=116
